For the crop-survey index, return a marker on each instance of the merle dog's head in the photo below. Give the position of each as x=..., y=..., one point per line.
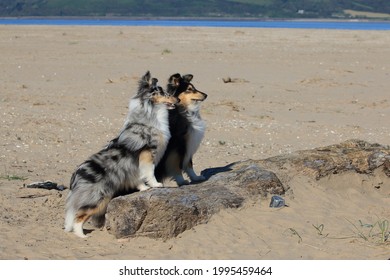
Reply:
x=150, y=91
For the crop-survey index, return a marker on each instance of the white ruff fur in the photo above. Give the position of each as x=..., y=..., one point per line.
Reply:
x=151, y=115
x=195, y=135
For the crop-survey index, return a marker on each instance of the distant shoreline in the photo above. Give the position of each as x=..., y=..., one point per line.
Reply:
x=201, y=22
x=233, y=19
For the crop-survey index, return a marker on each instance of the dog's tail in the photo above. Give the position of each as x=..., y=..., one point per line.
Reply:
x=70, y=209
x=69, y=219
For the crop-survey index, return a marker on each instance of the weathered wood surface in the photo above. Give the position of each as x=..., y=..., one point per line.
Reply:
x=167, y=212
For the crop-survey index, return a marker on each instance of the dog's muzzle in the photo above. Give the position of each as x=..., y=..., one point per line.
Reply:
x=169, y=105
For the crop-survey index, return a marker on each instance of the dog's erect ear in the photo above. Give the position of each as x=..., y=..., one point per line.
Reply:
x=146, y=77
x=144, y=83
x=174, y=80
x=154, y=83
x=188, y=77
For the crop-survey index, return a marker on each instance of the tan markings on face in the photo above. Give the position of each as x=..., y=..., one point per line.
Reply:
x=191, y=94
x=158, y=99
x=185, y=99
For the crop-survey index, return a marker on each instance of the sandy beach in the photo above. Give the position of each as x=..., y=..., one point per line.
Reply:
x=64, y=93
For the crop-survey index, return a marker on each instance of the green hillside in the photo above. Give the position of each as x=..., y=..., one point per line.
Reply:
x=197, y=8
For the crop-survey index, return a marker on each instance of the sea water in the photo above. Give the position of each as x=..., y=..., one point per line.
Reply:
x=304, y=24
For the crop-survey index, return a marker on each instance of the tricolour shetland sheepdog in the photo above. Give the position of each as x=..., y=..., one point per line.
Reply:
x=127, y=162
x=187, y=131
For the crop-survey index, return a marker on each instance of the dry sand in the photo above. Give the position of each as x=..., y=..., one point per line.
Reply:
x=64, y=93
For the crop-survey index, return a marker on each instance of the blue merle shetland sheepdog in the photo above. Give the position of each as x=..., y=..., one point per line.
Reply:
x=127, y=162
x=187, y=130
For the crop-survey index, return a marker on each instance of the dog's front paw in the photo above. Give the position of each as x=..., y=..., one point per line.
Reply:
x=199, y=178
x=180, y=181
x=183, y=182
x=157, y=185
x=142, y=187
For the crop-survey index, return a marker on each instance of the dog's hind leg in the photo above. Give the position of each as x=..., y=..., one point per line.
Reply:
x=98, y=221
x=81, y=217
x=69, y=220
x=87, y=212
x=146, y=169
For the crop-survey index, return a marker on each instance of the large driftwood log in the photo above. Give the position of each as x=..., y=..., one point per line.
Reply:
x=352, y=155
x=167, y=212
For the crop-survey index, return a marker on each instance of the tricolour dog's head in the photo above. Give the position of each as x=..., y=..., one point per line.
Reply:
x=182, y=88
x=149, y=91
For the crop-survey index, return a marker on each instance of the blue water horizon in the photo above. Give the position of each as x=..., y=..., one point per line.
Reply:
x=295, y=24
